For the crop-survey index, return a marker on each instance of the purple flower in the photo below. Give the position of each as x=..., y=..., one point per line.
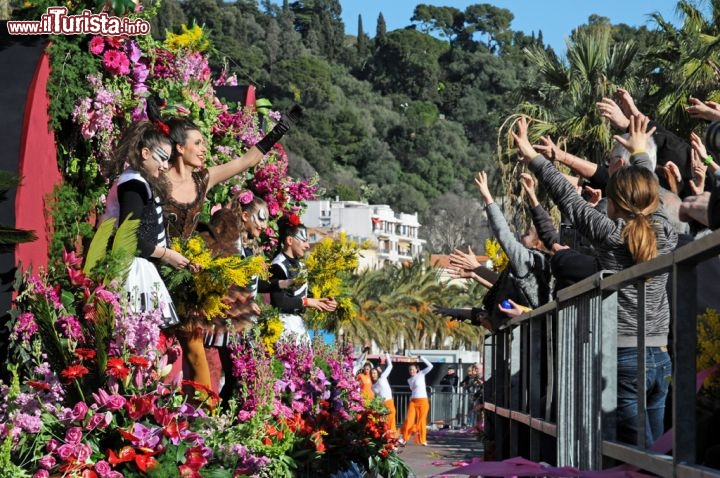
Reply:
x=100, y=421
x=25, y=327
x=52, y=445
x=70, y=327
x=105, y=400
x=41, y=474
x=29, y=423
x=133, y=51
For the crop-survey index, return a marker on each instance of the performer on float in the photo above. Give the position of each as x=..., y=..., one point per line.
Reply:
x=135, y=194
x=292, y=302
x=189, y=182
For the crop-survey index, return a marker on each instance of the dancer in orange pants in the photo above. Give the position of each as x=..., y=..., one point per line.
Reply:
x=416, y=419
x=381, y=388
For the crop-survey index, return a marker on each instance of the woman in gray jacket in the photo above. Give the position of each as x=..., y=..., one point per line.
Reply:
x=635, y=230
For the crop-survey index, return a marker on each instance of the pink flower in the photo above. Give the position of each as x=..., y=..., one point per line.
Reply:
x=47, y=462
x=102, y=468
x=246, y=197
x=97, y=45
x=100, y=421
x=73, y=435
x=116, y=62
x=79, y=411
x=41, y=474
x=182, y=110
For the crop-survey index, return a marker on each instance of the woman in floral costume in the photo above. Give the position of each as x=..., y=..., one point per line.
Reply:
x=189, y=183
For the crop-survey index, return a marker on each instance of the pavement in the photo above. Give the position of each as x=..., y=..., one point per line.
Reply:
x=446, y=449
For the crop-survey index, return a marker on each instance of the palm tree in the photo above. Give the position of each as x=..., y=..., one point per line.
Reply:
x=10, y=236
x=395, y=306
x=564, y=100
x=685, y=62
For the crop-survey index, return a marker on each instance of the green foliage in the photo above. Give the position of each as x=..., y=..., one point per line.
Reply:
x=71, y=221
x=105, y=266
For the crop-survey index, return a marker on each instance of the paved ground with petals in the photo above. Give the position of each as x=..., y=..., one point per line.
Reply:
x=446, y=449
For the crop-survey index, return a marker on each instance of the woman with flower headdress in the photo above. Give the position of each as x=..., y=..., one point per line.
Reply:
x=135, y=194
x=189, y=181
x=234, y=230
x=292, y=302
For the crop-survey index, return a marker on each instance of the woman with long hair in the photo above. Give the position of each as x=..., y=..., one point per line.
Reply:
x=188, y=184
x=135, y=194
x=234, y=230
x=635, y=230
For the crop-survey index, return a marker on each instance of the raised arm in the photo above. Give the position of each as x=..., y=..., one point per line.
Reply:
x=254, y=155
x=591, y=223
x=388, y=366
x=360, y=361
x=428, y=367
x=519, y=256
x=580, y=166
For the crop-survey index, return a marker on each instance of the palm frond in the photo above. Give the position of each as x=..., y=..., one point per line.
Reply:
x=12, y=236
x=8, y=179
x=98, y=246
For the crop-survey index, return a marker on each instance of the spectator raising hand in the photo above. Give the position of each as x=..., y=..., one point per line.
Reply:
x=481, y=182
x=705, y=110
x=699, y=169
x=626, y=103
x=637, y=140
x=528, y=184
x=613, y=113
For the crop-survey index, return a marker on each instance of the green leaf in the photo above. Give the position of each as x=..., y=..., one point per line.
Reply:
x=98, y=247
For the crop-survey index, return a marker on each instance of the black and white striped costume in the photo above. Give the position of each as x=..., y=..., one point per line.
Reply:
x=290, y=301
x=132, y=194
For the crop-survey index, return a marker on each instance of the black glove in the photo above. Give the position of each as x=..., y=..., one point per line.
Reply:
x=282, y=127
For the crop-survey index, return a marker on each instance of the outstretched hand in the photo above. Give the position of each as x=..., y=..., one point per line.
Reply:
x=613, y=113
x=549, y=149
x=464, y=260
x=520, y=135
x=638, y=134
x=699, y=169
x=482, y=184
x=515, y=310
x=528, y=184
x=706, y=110
x=593, y=196
x=625, y=101
x=698, y=146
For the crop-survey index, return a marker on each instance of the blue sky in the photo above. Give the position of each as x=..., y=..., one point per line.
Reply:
x=556, y=18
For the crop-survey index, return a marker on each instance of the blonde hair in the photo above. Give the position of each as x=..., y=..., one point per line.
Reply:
x=635, y=193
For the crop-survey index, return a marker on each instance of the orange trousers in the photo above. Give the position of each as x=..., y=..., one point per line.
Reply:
x=392, y=414
x=416, y=420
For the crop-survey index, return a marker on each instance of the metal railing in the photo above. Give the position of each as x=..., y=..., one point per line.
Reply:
x=447, y=409
x=552, y=393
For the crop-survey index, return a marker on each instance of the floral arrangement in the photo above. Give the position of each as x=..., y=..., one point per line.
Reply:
x=177, y=70
x=497, y=255
x=330, y=261
x=93, y=396
x=269, y=327
x=203, y=291
x=708, y=326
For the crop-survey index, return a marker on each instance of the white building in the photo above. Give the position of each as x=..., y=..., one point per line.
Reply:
x=395, y=235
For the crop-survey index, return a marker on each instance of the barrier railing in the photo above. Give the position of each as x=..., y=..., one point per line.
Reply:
x=447, y=409
x=552, y=392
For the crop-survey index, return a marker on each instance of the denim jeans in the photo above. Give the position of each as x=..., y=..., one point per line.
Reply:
x=658, y=372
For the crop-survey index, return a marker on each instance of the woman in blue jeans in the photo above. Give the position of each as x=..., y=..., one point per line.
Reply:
x=635, y=230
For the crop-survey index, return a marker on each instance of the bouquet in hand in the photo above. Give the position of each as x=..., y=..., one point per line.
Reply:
x=199, y=290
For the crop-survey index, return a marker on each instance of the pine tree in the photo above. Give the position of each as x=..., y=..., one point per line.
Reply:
x=380, y=31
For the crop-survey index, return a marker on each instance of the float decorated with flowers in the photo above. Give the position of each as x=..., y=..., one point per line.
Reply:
x=91, y=389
